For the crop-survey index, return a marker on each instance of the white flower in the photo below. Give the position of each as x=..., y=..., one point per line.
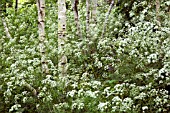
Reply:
x=80, y=92
x=116, y=100
x=24, y=99
x=71, y=93
x=107, y=91
x=13, y=66
x=30, y=68
x=14, y=107
x=158, y=101
x=8, y=92
x=126, y=104
x=53, y=83
x=80, y=105
x=141, y=96
x=99, y=64
x=95, y=84
x=37, y=106
x=49, y=98
x=74, y=105
x=128, y=100
x=61, y=105
x=74, y=85
x=102, y=106
x=92, y=94
x=119, y=88
x=114, y=108
x=41, y=94
x=9, y=84
x=44, y=88
x=144, y=108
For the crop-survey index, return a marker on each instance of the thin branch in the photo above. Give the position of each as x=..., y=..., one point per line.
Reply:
x=29, y=87
x=107, y=17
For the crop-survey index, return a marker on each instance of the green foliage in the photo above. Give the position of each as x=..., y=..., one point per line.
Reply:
x=126, y=71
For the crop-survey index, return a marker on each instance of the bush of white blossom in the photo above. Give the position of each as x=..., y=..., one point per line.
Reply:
x=126, y=71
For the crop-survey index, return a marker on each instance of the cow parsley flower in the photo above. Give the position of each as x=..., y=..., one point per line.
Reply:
x=126, y=104
x=15, y=107
x=80, y=105
x=92, y=94
x=103, y=106
x=116, y=100
x=71, y=93
x=95, y=84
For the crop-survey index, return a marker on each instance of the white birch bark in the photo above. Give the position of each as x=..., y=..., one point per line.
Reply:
x=62, y=63
x=41, y=28
x=6, y=28
x=87, y=17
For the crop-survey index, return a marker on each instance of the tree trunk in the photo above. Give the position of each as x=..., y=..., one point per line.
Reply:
x=3, y=18
x=157, y=12
x=94, y=11
x=16, y=5
x=76, y=17
x=107, y=17
x=6, y=28
x=41, y=27
x=87, y=17
x=62, y=63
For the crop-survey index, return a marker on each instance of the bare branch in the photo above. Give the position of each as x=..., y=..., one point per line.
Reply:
x=29, y=87
x=107, y=17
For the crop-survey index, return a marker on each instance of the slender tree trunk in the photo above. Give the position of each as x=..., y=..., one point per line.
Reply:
x=94, y=11
x=41, y=27
x=87, y=17
x=6, y=28
x=16, y=5
x=76, y=17
x=157, y=12
x=62, y=63
x=3, y=18
x=107, y=18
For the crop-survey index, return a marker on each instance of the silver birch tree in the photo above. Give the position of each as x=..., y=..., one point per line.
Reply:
x=91, y=13
x=6, y=28
x=62, y=59
x=41, y=29
x=157, y=12
x=87, y=17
